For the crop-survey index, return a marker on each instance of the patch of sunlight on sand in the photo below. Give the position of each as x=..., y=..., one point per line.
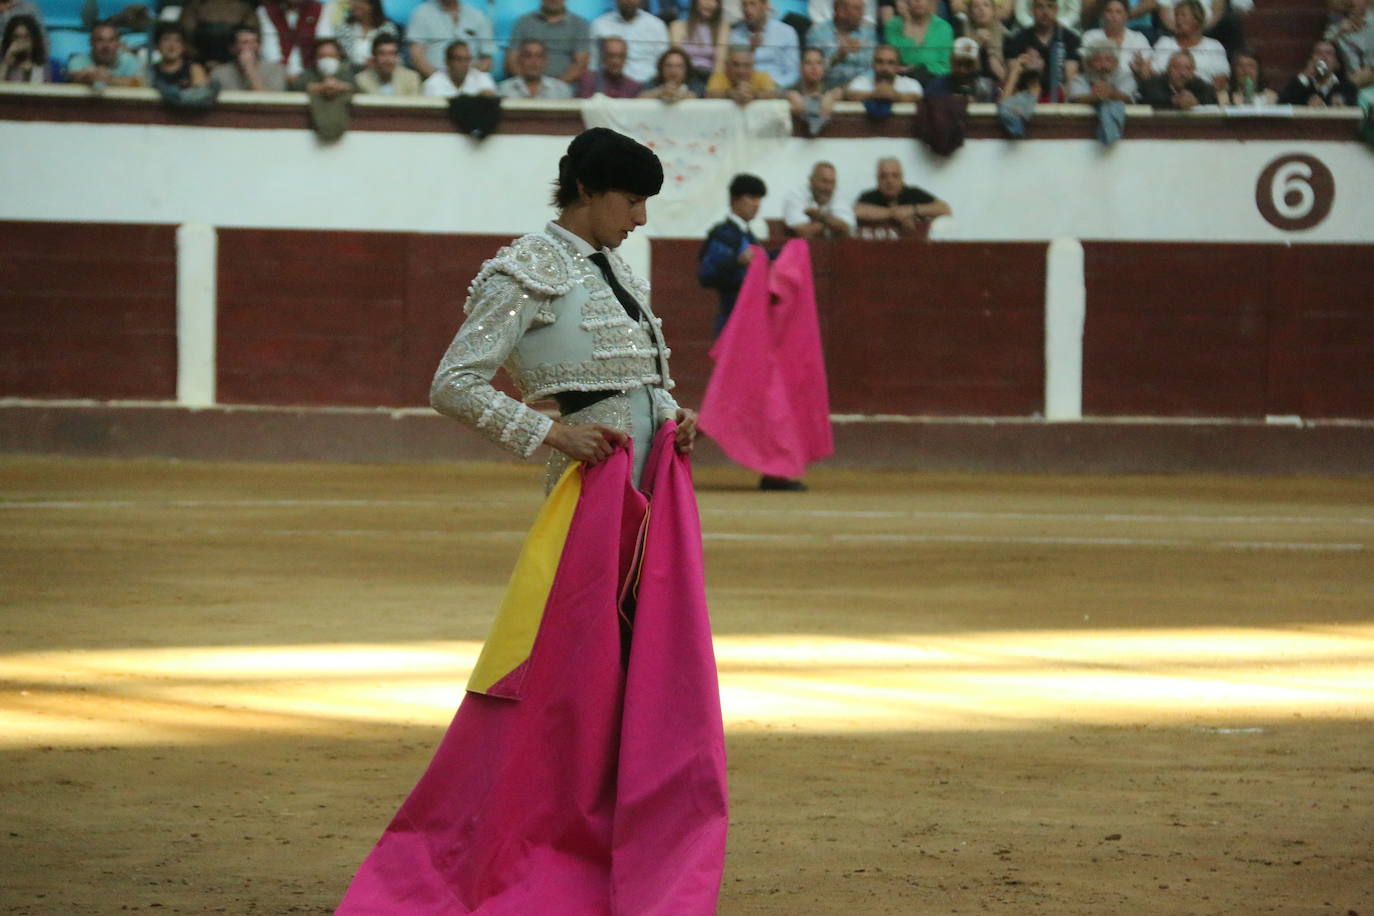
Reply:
x=810, y=683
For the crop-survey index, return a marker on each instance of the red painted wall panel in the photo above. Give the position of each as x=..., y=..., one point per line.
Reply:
x=311, y=317
x=87, y=311
x=361, y=318
x=1228, y=330
x=907, y=327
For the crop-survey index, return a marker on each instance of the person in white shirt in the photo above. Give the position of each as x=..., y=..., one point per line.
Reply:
x=1209, y=57
x=1130, y=44
x=459, y=76
x=814, y=211
x=644, y=33
x=884, y=81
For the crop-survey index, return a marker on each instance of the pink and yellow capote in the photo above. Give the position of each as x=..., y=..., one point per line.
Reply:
x=570, y=782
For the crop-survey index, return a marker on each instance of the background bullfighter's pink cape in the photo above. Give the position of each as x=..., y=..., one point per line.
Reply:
x=602, y=789
x=766, y=403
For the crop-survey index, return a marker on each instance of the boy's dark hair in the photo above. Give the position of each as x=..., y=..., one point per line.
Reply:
x=746, y=185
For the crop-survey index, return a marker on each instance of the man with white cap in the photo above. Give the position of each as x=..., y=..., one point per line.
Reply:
x=966, y=74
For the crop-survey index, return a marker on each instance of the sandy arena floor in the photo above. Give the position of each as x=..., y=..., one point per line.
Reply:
x=943, y=694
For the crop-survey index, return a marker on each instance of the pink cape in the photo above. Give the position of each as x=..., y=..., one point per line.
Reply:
x=766, y=403
x=602, y=789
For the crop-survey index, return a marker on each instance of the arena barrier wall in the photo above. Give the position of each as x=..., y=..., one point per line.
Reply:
x=990, y=346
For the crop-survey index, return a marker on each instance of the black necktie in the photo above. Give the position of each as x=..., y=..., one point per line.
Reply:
x=626, y=300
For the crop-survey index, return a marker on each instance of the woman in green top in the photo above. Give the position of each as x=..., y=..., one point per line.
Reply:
x=923, y=39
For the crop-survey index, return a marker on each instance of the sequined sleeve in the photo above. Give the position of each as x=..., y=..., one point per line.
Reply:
x=499, y=313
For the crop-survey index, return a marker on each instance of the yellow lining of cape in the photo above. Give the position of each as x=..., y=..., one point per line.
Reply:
x=522, y=609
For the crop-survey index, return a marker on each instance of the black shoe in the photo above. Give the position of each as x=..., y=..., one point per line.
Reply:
x=782, y=483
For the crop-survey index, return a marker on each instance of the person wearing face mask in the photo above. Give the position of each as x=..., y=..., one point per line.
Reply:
x=330, y=83
x=331, y=76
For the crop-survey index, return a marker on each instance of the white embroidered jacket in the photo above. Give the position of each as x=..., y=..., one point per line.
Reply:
x=544, y=311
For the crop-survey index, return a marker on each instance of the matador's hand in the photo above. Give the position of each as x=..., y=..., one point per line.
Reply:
x=588, y=444
x=686, y=438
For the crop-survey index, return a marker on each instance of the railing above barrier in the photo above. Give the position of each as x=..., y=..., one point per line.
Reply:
x=278, y=110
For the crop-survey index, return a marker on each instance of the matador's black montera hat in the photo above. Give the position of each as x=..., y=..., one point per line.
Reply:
x=603, y=160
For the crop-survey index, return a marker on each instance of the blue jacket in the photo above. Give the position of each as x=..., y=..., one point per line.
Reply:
x=718, y=265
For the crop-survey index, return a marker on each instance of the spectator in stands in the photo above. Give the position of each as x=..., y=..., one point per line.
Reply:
x=1247, y=86
x=1101, y=79
x=210, y=26
x=965, y=75
x=331, y=76
x=530, y=81
x=847, y=40
x=248, y=71
x=566, y=37
x=23, y=52
x=436, y=24
x=1322, y=83
x=288, y=30
x=811, y=99
x=1209, y=57
x=644, y=34
x=356, y=24
x=703, y=35
x=1228, y=24
x=1045, y=49
x=107, y=64
x=1141, y=18
x=985, y=28
x=611, y=78
x=386, y=75
x=725, y=255
x=1130, y=44
x=885, y=81
x=1178, y=87
x=894, y=209
x=921, y=38
x=1211, y=11
x=814, y=212
x=820, y=11
x=1103, y=85
x=961, y=11
x=12, y=8
x=673, y=82
x=1354, y=39
x=1069, y=13
x=459, y=76
x=174, y=69
x=774, y=42
x=739, y=80
x=1023, y=89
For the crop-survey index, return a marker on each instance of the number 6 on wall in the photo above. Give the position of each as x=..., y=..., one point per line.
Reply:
x=1295, y=192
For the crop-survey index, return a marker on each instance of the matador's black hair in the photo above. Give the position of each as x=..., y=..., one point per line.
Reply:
x=603, y=160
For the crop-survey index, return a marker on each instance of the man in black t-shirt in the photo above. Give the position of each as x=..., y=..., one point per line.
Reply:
x=893, y=209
